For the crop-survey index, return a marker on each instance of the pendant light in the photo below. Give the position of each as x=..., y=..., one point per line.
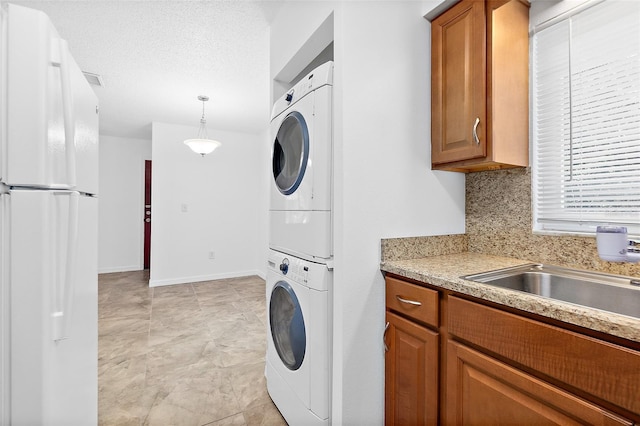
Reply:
x=202, y=144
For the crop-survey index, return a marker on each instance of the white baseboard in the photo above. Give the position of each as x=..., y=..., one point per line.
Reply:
x=111, y=269
x=261, y=274
x=199, y=278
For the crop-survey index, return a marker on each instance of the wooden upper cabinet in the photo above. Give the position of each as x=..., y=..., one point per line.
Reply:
x=480, y=86
x=458, y=86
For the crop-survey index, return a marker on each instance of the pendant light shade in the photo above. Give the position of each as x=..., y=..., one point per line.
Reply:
x=202, y=144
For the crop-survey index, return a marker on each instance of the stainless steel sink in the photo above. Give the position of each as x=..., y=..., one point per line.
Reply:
x=613, y=293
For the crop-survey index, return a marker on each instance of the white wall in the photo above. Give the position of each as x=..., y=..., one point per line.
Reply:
x=121, y=203
x=383, y=183
x=225, y=197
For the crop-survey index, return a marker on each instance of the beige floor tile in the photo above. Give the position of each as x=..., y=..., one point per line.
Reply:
x=176, y=321
x=191, y=401
x=122, y=326
x=235, y=420
x=196, y=359
x=167, y=306
x=170, y=291
x=122, y=337
x=215, y=289
x=231, y=356
x=120, y=389
x=112, y=348
x=133, y=306
x=264, y=415
x=189, y=354
x=249, y=385
x=116, y=416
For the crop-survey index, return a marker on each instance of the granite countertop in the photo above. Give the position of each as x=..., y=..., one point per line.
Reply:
x=444, y=271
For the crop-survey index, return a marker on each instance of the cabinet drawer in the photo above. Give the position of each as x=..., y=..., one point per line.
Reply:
x=417, y=302
x=604, y=370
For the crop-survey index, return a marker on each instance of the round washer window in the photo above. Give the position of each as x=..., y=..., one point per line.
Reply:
x=290, y=153
x=287, y=325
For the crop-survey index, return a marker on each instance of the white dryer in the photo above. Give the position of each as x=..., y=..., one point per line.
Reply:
x=301, y=184
x=298, y=363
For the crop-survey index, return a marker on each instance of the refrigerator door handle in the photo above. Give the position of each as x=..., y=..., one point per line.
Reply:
x=64, y=291
x=68, y=112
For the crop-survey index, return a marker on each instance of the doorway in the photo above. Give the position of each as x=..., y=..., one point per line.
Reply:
x=147, y=214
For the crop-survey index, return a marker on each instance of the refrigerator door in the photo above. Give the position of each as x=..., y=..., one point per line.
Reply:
x=53, y=278
x=4, y=308
x=50, y=112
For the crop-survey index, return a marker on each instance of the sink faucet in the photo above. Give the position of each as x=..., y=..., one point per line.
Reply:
x=614, y=246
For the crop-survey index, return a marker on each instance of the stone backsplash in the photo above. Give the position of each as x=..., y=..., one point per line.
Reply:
x=499, y=221
x=419, y=247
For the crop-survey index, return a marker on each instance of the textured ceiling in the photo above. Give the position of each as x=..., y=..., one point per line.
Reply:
x=156, y=57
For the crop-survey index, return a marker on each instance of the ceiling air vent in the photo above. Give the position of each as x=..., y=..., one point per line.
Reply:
x=93, y=79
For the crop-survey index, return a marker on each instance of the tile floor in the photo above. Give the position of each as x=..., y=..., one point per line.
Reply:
x=190, y=354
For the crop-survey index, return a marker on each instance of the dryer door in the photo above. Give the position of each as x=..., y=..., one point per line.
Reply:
x=287, y=325
x=290, y=153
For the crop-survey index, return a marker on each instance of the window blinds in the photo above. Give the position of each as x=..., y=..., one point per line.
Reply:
x=586, y=120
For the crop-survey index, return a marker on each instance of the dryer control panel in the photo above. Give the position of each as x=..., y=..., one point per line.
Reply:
x=321, y=76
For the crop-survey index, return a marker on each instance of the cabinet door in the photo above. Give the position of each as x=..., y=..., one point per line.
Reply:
x=458, y=83
x=483, y=391
x=411, y=373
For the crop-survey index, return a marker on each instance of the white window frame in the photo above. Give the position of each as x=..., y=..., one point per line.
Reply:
x=561, y=215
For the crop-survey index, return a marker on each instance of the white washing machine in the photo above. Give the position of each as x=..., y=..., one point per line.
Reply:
x=301, y=194
x=298, y=363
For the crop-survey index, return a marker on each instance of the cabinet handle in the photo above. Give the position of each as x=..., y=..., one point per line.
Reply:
x=384, y=337
x=475, y=131
x=408, y=302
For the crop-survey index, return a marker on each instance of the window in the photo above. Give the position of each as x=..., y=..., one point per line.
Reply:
x=586, y=119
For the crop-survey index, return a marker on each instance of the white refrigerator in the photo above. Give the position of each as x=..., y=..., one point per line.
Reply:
x=48, y=227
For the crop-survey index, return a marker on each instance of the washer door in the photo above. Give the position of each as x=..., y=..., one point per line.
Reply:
x=290, y=153
x=287, y=325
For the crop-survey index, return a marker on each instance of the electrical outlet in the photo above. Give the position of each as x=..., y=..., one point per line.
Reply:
x=212, y=255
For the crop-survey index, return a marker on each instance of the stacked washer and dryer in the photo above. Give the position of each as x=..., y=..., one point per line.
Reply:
x=299, y=274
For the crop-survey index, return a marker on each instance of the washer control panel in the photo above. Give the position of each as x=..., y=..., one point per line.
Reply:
x=288, y=267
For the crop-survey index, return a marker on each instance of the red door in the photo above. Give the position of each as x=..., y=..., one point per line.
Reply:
x=147, y=214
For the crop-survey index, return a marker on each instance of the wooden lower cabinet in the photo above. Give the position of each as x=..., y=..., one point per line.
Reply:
x=484, y=391
x=452, y=360
x=411, y=375
x=593, y=367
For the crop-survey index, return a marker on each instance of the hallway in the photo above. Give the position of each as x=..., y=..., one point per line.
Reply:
x=190, y=354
